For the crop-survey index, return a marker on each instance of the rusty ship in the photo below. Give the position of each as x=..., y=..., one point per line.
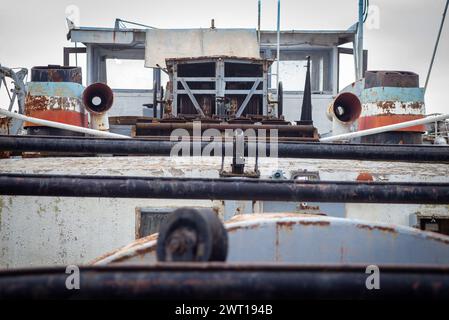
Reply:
x=222, y=179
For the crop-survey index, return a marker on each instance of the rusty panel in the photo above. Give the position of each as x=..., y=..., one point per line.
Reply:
x=404, y=79
x=54, y=101
x=56, y=73
x=307, y=239
x=5, y=124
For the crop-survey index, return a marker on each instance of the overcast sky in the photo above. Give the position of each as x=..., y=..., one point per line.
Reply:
x=400, y=34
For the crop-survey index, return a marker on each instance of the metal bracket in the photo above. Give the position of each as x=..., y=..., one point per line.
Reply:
x=19, y=90
x=248, y=97
x=192, y=97
x=238, y=169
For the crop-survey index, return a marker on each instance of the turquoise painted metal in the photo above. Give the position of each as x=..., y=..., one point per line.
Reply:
x=55, y=89
x=376, y=94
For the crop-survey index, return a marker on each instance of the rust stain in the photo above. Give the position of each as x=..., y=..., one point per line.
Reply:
x=34, y=103
x=379, y=228
x=265, y=216
x=5, y=125
x=40, y=103
x=250, y=227
x=54, y=75
x=365, y=176
x=252, y=59
x=288, y=225
x=315, y=223
x=389, y=107
x=144, y=251
x=5, y=154
x=134, y=244
x=415, y=105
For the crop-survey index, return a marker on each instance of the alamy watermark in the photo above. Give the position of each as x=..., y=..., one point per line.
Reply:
x=72, y=282
x=72, y=13
x=227, y=143
x=372, y=282
x=372, y=21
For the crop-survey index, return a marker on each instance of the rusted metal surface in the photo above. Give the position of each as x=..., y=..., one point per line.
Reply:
x=284, y=130
x=346, y=107
x=223, y=189
x=128, y=120
x=103, y=94
x=217, y=88
x=208, y=58
x=403, y=79
x=98, y=99
x=389, y=98
x=56, y=73
x=437, y=154
x=309, y=239
x=55, y=101
x=5, y=124
x=5, y=127
x=228, y=281
x=329, y=170
x=42, y=103
x=60, y=109
x=110, y=223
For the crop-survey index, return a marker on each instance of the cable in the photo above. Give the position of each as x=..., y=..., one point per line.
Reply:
x=436, y=46
x=366, y=11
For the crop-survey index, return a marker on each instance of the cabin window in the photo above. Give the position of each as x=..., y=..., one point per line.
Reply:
x=435, y=224
x=292, y=74
x=293, y=69
x=128, y=74
x=148, y=220
x=347, y=70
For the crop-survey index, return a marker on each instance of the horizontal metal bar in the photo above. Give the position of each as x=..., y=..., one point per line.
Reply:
x=213, y=91
x=63, y=126
x=196, y=79
x=391, y=127
x=281, y=128
x=222, y=189
x=196, y=91
x=226, y=79
x=242, y=79
x=406, y=153
x=225, y=281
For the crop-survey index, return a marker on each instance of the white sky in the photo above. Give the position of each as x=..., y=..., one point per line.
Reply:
x=34, y=32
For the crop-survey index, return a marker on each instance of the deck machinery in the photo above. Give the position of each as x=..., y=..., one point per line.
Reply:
x=222, y=92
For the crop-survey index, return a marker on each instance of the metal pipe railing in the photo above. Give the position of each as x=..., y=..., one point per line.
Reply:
x=63, y=126
x=391, y=127
x=202, y=281
x=222, y=189
x=407, y=153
